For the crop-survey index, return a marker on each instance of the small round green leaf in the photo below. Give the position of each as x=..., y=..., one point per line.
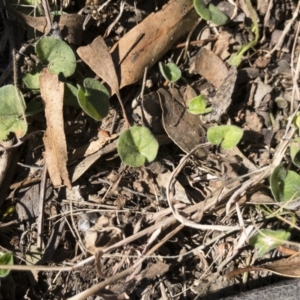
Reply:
x=32, y=79
x=266, y=240
x=170, y=71
x=226, y=135
x=212, y=13
x=285, y=184
x=93, y=103
x=137, y=146
x=198, y=106
x=5, y=259
x=291, y=186
x=57, y=54
x=11, y=112
x=93, y=99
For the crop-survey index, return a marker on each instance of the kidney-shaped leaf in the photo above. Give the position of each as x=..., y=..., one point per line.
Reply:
x=58, y=55
x=198, y=106
x=11, y=112
x=226, y=135
x=285, y=184
x=136, y=146
x=32, y=79
x=170, y=71
x=93, y=99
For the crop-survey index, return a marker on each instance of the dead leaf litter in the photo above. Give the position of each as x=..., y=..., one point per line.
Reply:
x=87, y=226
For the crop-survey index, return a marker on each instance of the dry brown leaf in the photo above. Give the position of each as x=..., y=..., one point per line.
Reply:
x=52, y=92
x=287, y=267
x=211, y=67
x=102, y=235
x=145, y=44
x=181, y=126
x=152, y=113
x=98, y=58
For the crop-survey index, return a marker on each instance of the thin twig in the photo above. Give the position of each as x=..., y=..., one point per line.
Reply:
x=40, y=220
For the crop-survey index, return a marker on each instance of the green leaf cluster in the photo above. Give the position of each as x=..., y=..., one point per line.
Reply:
x=60, y=59
x=56, y=55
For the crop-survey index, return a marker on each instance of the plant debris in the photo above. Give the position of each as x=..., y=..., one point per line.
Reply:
x=148, y=149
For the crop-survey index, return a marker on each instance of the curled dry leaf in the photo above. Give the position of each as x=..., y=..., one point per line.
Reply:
x=52, y=92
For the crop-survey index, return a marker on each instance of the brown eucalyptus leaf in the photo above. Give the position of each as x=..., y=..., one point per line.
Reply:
x=184, y=128
x=52, y=92
x=148, y=41
x=98, y=58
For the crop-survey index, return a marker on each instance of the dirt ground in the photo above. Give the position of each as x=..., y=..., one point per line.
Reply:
x=200, y=219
